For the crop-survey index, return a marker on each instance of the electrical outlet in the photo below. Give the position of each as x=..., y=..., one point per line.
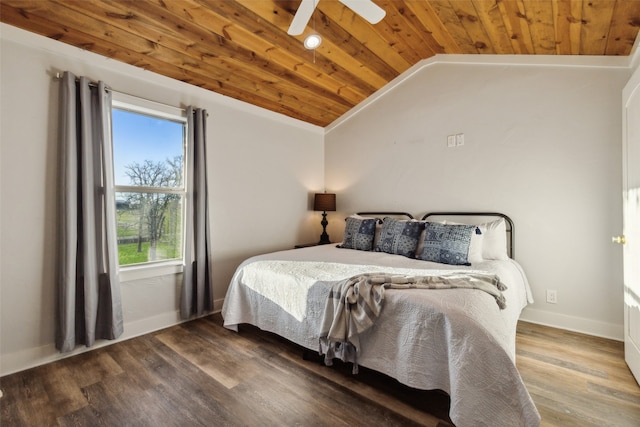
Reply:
x=460, y=139
x=552, y=296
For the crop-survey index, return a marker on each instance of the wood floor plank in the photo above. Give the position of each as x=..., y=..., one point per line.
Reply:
x=222, y=366
x=112, y=406
x=199, y=373
x=614, y=393
x=194, y=386
x=127, y=356
x=91, y=367
x=63, y=392
x=190, y=409
x=87, y=416
x=32, y=403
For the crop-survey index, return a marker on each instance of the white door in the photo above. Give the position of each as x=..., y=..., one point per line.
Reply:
x=631, y=221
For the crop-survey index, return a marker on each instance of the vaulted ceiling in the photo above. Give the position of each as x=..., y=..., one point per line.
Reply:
x=240, y=48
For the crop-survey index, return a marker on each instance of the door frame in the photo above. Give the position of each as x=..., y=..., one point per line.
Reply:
x=632, y=351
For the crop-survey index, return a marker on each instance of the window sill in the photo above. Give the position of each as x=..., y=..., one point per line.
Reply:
x=128, y=274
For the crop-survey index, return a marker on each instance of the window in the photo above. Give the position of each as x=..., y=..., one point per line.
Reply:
x=149, y=143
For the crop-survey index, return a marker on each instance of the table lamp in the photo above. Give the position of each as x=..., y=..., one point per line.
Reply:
x=324, y=202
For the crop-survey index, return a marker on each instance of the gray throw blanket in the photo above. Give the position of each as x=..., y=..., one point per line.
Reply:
x=354, y=304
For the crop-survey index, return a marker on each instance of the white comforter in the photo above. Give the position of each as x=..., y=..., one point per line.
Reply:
x=456, y=340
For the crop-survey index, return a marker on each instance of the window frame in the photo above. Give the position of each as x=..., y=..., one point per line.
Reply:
x=146, y=107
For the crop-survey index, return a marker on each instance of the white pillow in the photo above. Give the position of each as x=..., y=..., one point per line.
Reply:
x=491, y=244
x=494, y=241
x=475, y=248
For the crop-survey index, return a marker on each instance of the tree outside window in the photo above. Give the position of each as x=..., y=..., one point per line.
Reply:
x=149, y=184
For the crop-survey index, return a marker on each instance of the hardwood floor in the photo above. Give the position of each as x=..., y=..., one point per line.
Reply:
x=199, y=373
x=576, y=379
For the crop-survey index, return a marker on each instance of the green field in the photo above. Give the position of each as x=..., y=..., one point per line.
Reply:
x=128, y=253
x=128, y=223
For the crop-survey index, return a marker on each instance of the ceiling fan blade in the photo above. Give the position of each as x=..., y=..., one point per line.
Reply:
x=367, y=9
x=301, y=18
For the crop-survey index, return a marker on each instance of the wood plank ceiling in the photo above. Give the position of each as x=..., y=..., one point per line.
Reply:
x=240, y=48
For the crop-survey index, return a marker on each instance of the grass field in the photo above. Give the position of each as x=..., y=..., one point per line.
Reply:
x=128, y=253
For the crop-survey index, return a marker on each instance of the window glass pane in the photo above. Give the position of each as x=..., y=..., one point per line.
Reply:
x=149, y=227
x=147, y=150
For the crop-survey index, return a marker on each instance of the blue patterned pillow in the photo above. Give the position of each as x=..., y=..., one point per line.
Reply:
x=359, y=233
x=399, y=237
x=447, y=244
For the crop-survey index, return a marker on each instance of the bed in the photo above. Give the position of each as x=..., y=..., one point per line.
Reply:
x=457, y=340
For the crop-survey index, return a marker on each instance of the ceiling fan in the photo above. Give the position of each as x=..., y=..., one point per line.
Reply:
x=365, y=8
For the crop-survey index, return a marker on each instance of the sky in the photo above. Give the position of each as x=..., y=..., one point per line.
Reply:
x=137, y=138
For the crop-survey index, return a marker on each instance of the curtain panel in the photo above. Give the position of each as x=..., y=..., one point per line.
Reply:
x=89, y=304
x=197, y=293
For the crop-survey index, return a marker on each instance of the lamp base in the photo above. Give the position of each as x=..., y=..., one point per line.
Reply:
x=324, y=237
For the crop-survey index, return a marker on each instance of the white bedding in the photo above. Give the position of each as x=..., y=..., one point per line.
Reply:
x=456, y=340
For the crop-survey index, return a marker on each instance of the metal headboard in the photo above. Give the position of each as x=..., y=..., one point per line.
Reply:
x=508, y=221
x=381, y=213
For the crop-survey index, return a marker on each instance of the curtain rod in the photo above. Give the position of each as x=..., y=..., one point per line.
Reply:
x=94, y=84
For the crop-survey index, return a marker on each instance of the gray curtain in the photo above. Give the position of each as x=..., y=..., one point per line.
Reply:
x=89, y=306
x=197, y=293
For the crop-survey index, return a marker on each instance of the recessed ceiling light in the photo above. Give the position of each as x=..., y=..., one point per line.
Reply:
x=312, y=41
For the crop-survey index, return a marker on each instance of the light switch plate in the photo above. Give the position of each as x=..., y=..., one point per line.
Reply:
x=451, y=141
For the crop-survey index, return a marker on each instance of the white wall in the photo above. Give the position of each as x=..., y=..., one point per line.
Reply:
x=542, y=144
x=262, y=169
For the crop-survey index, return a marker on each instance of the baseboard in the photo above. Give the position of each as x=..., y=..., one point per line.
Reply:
x=32, y=357
x=583, y=325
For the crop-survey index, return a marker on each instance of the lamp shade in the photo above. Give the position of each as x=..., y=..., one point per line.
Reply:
x=324, y=202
